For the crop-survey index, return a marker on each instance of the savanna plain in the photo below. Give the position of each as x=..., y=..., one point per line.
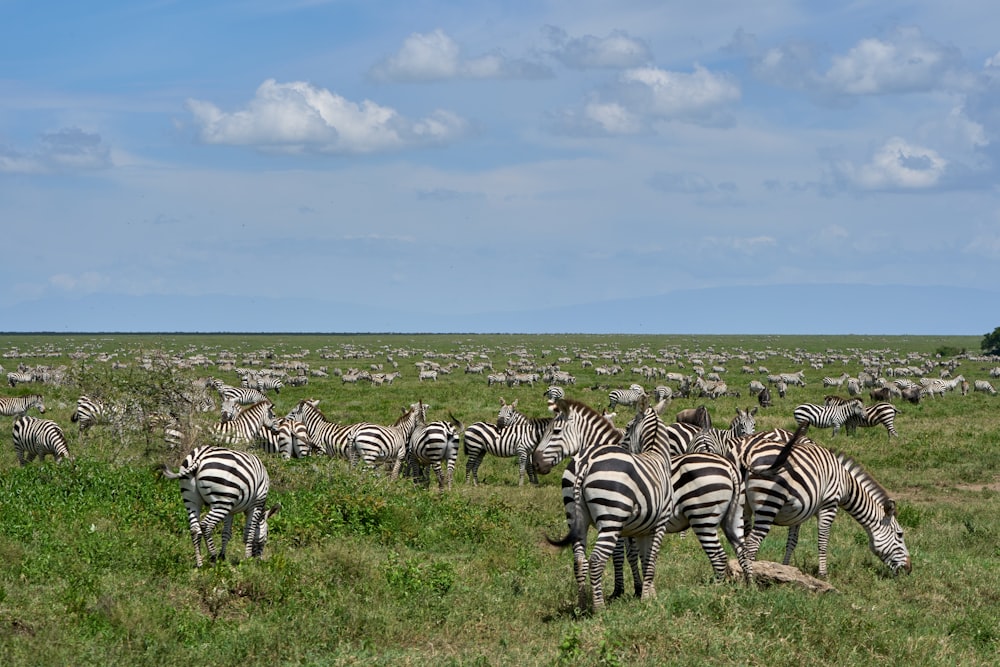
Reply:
x=97, y=565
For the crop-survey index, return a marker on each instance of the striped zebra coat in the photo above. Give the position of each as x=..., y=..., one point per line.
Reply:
x=435, y=444
x=815, y=481
x=825, y=416
x=89, y=412
x=240, y=395
x=334, y=439
x=38, y=437
x=518, y=436
x=288, y=438
x=374, y=443
x=15, y=406
x=244, y=428
x=628, y=396
x=228, y=482
x=622, y=494
x=883, y=414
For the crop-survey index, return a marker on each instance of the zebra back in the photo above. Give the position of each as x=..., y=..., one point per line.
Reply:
x=15, y=406
x=38, y=437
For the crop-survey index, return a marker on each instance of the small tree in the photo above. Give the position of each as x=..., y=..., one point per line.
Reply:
x=991, y=342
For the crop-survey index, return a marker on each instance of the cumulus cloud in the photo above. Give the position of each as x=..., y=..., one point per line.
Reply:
x=897, y=165
x=67, y=149
x=299, y=117
x=435, y=56
x=617, y=50
x=903, y=61
x=641, y=96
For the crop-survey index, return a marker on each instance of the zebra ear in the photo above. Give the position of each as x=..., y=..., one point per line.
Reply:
x=889, y=505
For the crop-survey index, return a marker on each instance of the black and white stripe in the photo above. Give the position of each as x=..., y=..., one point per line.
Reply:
x=816, y=482
x=228, y=482
x=374, y=443
x=622, y=494
x=628, y=396
x=723, y=441
x=288, y=438
x=15, y=378
x=825, y=416
x=435, y=444
x=518, y=436
x=245, y=427
x=240, y=395
x=89, y=411
x=478, y=440
x=15, y=406
x=334, y=439
x=877, y=414
x=38, y=437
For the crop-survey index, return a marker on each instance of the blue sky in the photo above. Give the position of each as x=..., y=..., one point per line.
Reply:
x=492, y=158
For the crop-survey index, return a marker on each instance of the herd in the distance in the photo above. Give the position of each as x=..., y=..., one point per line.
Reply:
x=634, y=484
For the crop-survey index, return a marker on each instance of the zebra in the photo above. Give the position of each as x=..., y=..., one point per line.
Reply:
x=332, y=438
x=241, y=395
x=436, y=444
x=815, y=481
x=89, y=411
x=245, y=427
x=825, y=416
x=628, y=396
x=287, y=437
x=262, y=383
x=621, y=493
x=554, y=393
x=518, y=436
x=835, y=382
x=374, y=443
x=15, y=378
x=938, y=386
x=228, y=482
x=984, y=386
x=169, y=427
x=722, y=441
x=479, y=439
x=15, y=406
x=875, y=414
x=38, y=437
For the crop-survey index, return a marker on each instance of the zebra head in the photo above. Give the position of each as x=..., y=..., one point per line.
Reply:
x=506, y=413
x=645, y=428
x=885, y=539
x=743, y=423
x=260, y=538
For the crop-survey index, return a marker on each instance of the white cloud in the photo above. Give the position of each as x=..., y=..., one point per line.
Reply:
x=67, y=149
x=435, y=56
x=898, y=165
x=298, y=116
x=681, y=95
x=87, y=282
x=617, y=50
x=612, y=118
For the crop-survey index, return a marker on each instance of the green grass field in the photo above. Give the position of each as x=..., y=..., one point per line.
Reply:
x=97, y=566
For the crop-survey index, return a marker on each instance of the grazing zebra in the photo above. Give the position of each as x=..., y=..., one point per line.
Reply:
x=374, y=443
x=628, y=396
x=764, y=398
x=38, y=437
x=825, y=416
x=15, y=406
x=89, y=411
x=938, y=386
x=435, y=444
x=723, y=441
x=228, y=482
x=332, y=438
x=20, y=377
x=621, y=493
x=878, y=413
x=816, y=482
x=169, y=427
x=287, y=437
x=984, y=386
x=245, y=427
x=519, y=435
x=262, y=383
x=797, y=378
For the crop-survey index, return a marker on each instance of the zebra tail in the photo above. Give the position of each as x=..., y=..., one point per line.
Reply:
x=577, y=528
x=167, y=472
x=782, y=458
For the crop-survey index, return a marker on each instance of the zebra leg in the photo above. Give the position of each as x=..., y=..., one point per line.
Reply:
x=208, y=524
x=251, y=530
x=712, y=546
x=195, y=527
x=824, y=519
x=632, y=553
x=581, y=570
x=472, y=467
x=618, y=562
x=650, y=548
x=440, y=476
x=227, y=534
x=603, y=548
x=790, y=544
x=522, y=460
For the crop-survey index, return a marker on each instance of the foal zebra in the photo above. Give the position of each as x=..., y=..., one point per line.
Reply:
x=228, y=482
x=816, y=482
x=38, y=437
x=15, y=406
x=825, y=416
x=621, y=493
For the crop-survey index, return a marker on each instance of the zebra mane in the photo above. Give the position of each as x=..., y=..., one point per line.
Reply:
x=565, y=405
x=866, y=481
x=308, y=402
